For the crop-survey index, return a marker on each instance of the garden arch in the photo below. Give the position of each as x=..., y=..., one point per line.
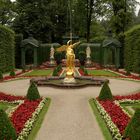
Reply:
x=29, y=45
x=111, y=52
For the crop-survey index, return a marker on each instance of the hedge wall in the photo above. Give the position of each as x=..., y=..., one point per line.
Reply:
x=132, y=49
x=7, y=46
x=18, y=39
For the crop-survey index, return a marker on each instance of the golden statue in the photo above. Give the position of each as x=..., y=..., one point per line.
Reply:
x=70, y=57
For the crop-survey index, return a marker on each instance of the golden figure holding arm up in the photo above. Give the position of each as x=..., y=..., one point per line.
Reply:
x=70, y=57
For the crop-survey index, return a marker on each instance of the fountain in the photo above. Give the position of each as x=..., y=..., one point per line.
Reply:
x=70, y=80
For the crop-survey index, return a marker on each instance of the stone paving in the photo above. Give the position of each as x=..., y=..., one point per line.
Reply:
x=70, y=116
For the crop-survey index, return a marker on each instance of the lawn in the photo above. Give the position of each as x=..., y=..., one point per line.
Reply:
x=102, y=73
x=40, y=73
x=6, y=106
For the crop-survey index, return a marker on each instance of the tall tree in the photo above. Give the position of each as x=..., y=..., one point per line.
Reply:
x=6, y=12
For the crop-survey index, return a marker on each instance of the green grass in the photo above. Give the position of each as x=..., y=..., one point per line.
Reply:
x=102, y=73
x=39, y=73
x=5, y=106
x=101, y=122
x=39, y=121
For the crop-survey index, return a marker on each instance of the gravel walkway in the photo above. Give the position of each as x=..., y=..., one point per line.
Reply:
x=70, y=116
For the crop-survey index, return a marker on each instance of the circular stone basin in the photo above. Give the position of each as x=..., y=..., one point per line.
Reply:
x=81, y=81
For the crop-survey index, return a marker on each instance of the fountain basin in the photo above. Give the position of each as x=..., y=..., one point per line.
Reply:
x=80, y=81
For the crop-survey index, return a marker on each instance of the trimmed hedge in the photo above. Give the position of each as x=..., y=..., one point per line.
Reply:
x=133, y=129
x=105, y=93
x=7, y=131
x=7, y=48
x=1, y=76
x=132, y=49
x=33, y=93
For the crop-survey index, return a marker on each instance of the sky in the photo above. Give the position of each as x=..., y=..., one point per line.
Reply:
x=137, y=8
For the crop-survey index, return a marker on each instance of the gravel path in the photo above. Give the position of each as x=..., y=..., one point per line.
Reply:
x=70, y=116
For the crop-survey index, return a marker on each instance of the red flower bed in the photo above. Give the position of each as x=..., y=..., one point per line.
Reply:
x=81, y=72
x=23, y=113
x=132, y=97
x=10, y=98
x=117, y=115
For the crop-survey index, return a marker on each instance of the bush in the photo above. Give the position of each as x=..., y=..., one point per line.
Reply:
x=58, y=57
x=133, y=128
x=59, y=68
x=1, y=76
x=7, y=46
x=33, y=93
x=7, y=131
x=12, y=73
x=82, y=57
x=105, y=93
x=132, y=49
x=55, y=72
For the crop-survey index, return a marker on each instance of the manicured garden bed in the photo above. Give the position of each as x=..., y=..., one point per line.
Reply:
x=115, y=115
x=39, y=73
x=24, y=115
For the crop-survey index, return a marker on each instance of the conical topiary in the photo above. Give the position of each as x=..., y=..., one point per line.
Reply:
x=105, y=93
x=55, y=72
x=7, y=131
x=33, y=93
x=132, y=130
x=12, y=73
x=1, y=76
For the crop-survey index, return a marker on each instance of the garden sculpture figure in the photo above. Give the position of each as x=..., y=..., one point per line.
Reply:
x=88, y=52
x=52, y=52
x=70, y=57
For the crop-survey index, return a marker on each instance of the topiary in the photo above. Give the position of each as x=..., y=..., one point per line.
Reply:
x=58, y=57
x=55, y=72
x=82, y=57
x=1, y=76
x=12, y=73
x=133, y=128
x=7, y=131
x=105, y=93
x=59, y=67
x=33, y=93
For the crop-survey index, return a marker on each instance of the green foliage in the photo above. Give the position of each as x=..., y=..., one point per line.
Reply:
x=6, y=12
x=59, y=67
x=55, y=72
x=132, y=49
x=12, y=73
x=6, y=49
x=33, y=93
x=105, y=93
x=7, y=131
x=18, y=39
x=1, y=76
x=58, y=57
x=133, y=128
x=82, y=57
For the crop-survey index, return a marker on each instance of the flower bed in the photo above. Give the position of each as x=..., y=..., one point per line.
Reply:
x=115, y=116
x=24, y=114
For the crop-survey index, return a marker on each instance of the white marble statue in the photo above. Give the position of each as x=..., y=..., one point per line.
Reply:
x=52, y=52
x=88, y=52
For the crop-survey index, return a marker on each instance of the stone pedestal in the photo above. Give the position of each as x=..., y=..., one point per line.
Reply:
x=68, y=80
x=88, y=62
x=52, y=62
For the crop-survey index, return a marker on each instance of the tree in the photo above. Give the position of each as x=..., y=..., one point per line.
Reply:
x=44, y=19
x=6, y=12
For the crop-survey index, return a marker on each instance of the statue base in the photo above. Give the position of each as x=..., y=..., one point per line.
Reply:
x=68, y=80
x=88, y=62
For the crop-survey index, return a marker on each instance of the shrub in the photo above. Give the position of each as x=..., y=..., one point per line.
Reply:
x=12, y=73
x=1, y=76
x=59, y=67
x=82, y=57
x=132, y=49
x=7, y=60
x=133, y=128
x=33, y=93
x=7, y=131
x=105, y=93
x=58, y=57
x=55, y=72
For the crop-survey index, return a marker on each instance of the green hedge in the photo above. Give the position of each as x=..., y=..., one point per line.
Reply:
x=7, y=46
x=132, y=49
x=18, y=39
